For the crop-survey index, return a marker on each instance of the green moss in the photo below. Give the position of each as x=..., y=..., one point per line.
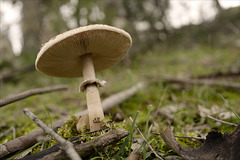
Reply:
x=69, y=130
x=188, y=141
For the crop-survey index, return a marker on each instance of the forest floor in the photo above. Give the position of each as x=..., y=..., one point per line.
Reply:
x=184, y=106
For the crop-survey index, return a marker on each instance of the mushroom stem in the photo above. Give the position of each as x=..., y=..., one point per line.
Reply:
x=94, y=104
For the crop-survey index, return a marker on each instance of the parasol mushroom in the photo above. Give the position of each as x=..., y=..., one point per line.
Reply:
x=81, y=52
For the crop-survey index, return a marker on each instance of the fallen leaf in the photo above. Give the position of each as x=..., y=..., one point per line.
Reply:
x=217, y=146
x=204, y=111
x=168, y=111
x=226, y=115
x=135, y=146
x=135, y=155
x=215, y=110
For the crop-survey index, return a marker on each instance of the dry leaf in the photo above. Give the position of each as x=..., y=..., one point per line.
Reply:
x=135, y=156
x=217, y=146
x=204, y=111
x=214, y=110
x=226, y=115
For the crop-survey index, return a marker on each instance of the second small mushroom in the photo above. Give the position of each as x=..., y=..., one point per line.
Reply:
x=81, y=52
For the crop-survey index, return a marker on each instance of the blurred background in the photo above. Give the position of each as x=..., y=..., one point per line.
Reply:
x=26, y=24
x=177, y=38
x=186, y=39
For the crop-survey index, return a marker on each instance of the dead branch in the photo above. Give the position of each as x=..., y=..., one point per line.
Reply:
x=202, y=82
x=30, y=139
x=14, y=73
x=83, y=149
x=220, y=75
x=19, y=143
x=155, y=153
x=66, y=145
x=197, y=138
x=221, y=121
x=26, y=94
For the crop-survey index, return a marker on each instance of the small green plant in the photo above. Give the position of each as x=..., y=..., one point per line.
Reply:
x=229, y=107
x=126, y=146
x=26, y=150
x=69, y=130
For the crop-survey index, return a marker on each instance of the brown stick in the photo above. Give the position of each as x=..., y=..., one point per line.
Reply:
x=30, y=139
x=66, y=145
x=220, y=75
x=83, y=149
x=202, y=82
x=197, y=138
x=26, y=94
x=12, y=74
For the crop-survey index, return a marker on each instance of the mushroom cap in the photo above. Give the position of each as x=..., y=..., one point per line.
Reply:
x=61, y=55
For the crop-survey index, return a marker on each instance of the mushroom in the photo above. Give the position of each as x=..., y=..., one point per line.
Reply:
x=81, y=52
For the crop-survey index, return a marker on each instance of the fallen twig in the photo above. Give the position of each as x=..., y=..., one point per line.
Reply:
x=66, y=145
x=25, y=152
x=12, y=74
x=23, y=95
x=220, y=75
x=221, y=121
x=83, y=149
x=30, y=139
x=202, y=82
x=146, y=140
x=197, y=138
